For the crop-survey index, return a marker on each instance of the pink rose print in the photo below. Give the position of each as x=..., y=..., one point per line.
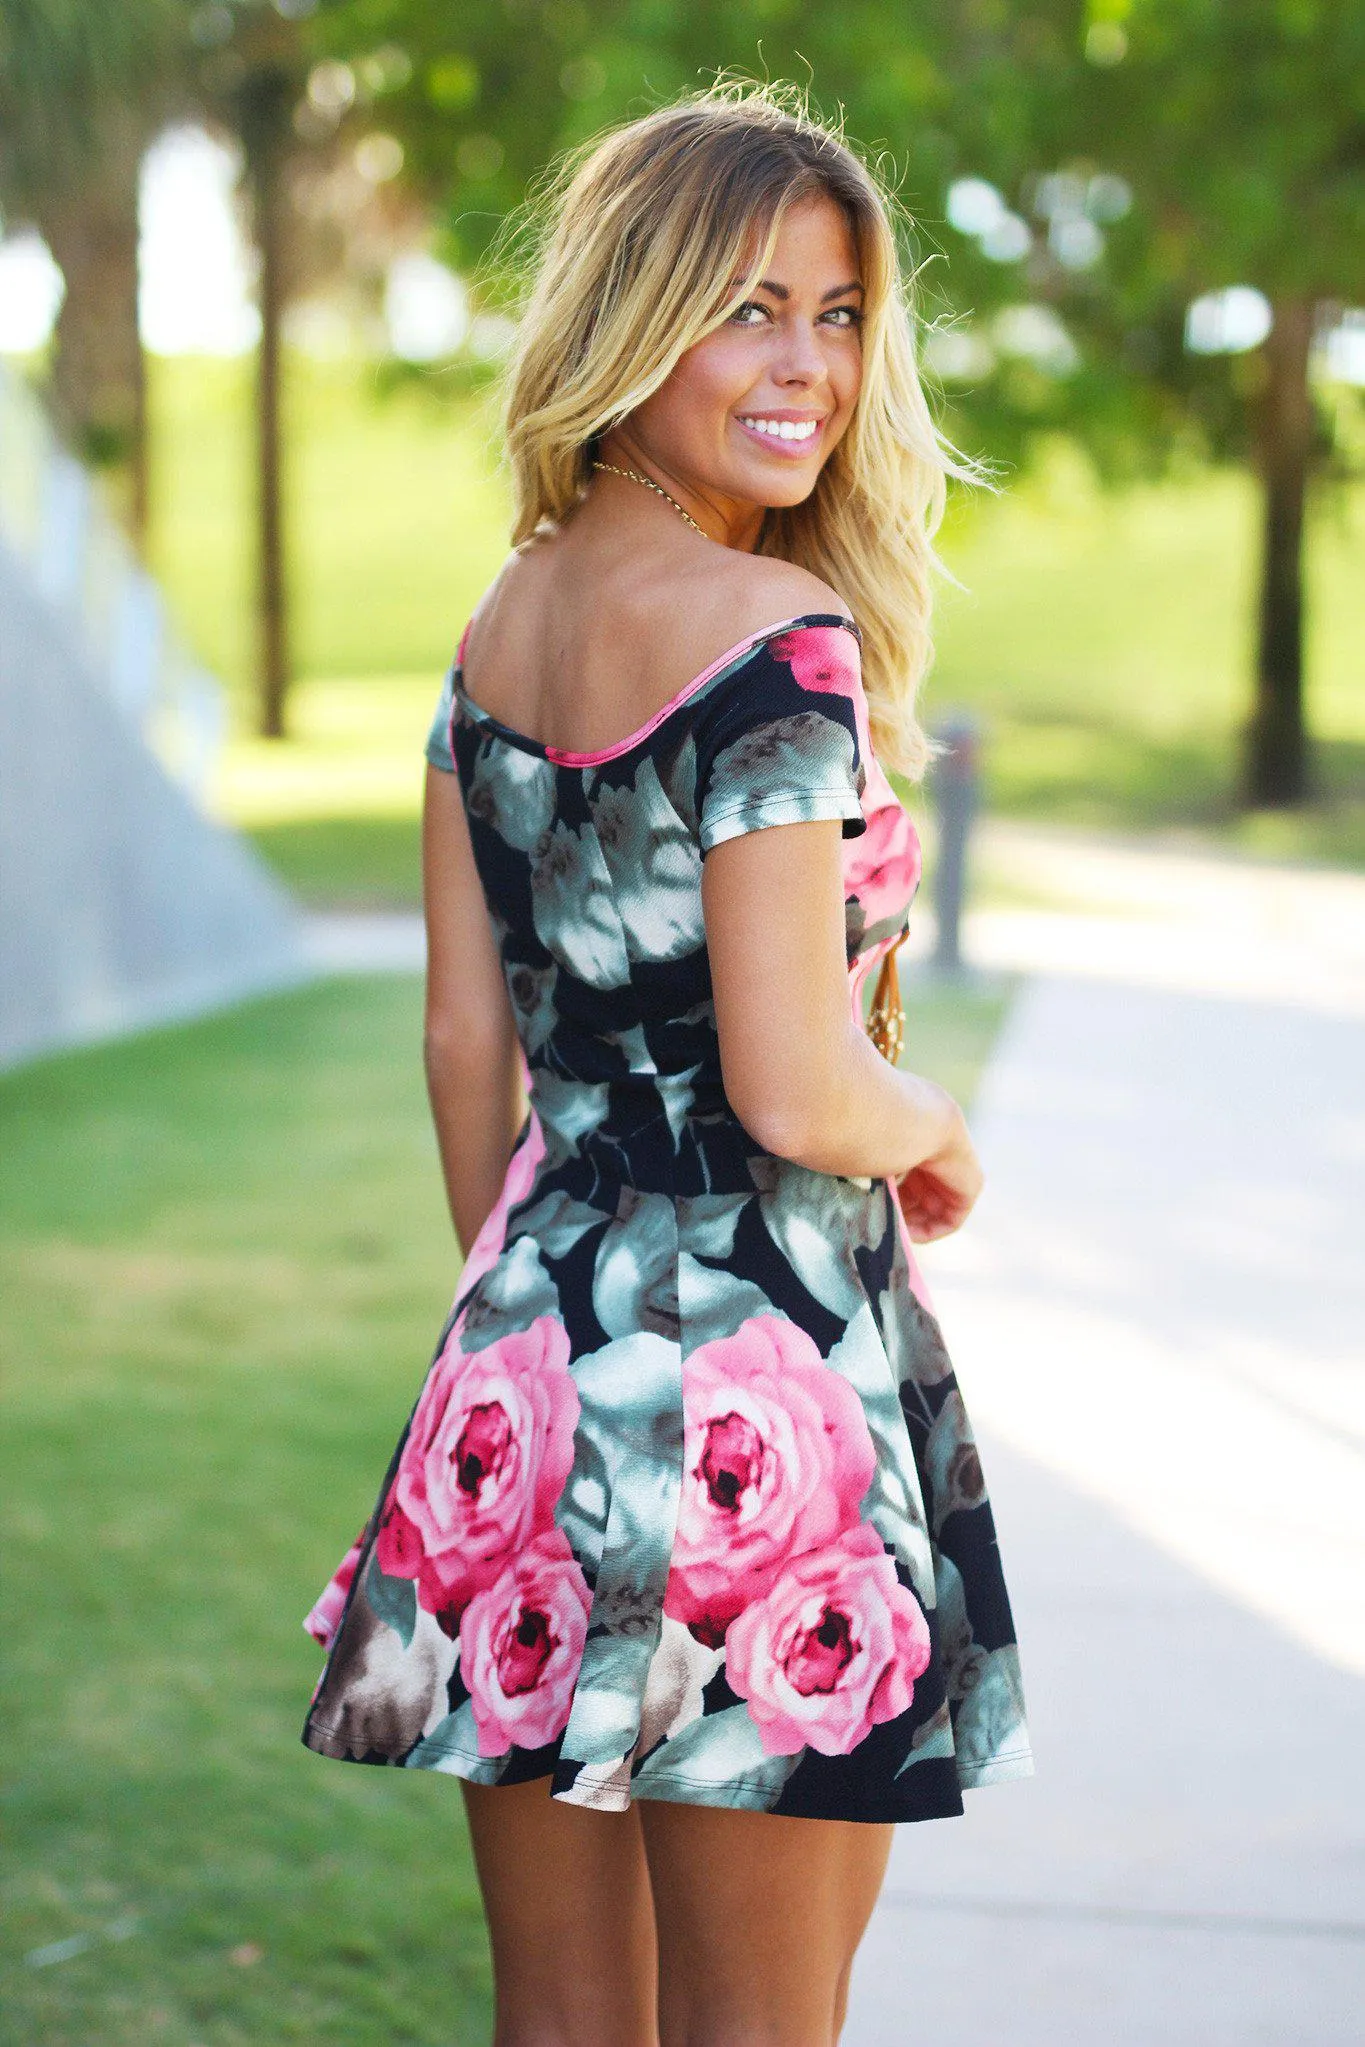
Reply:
x=487, y=1456
x=324, y=1618
x=777, y=1456
x=833, y=1650
x=517, y=1183
x=882, y=866
x=823, y=657
x=521, y=1645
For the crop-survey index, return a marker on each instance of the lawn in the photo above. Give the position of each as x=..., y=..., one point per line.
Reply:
x=1105, y=642
x=225, y=1257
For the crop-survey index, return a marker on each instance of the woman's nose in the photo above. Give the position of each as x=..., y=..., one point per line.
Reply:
x=800, y=356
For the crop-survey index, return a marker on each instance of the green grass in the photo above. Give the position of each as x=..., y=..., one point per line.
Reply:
x=225, y=1258
x=349, y=863
x=1106, y=643
x=396, y=516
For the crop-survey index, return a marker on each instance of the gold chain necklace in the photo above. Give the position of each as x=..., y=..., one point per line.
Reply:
x=650, y=484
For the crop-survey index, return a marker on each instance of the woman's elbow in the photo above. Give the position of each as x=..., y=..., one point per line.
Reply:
x=789, y=1116
x=452, y=1045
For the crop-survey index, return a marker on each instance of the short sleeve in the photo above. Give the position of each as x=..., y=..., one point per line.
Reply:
x=438, y=738
x=777, y=737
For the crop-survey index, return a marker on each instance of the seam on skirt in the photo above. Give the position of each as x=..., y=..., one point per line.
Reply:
x=1017, y=1762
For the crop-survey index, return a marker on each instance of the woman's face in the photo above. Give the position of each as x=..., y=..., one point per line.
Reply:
x=750, y=414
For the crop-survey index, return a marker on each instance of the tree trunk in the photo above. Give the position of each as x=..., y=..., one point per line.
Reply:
x=1276, y=764
x=265, y=140
x=99, y=385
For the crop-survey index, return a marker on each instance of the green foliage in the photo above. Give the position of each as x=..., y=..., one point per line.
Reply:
x=1197, y=143
x=67, y=69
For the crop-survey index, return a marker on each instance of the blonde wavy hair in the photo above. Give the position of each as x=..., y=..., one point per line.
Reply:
x=629, y=243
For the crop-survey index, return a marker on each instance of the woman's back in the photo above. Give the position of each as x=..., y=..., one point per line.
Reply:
x=588, y=629
x=591, y=859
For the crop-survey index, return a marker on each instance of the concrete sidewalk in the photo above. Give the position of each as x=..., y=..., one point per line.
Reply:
x=1157, y=1312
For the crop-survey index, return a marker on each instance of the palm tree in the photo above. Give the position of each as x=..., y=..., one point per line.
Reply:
x=84, y=87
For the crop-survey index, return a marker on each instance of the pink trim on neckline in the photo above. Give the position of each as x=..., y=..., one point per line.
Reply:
x=565, y=758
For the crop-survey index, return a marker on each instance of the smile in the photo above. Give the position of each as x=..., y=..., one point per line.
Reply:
x=790, y=435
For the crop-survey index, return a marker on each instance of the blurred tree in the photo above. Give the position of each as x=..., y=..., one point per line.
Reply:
x=1195, y=174
x=83, y=89
x=261, y=71
x=1091, y=166
x=252, y=74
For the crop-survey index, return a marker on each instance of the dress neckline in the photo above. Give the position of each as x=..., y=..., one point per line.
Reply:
x=566, y=757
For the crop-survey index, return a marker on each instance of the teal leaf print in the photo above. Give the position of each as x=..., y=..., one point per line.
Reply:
x=510, y=1296
x=931, y=1743
x=634, y=1286
x=393, y=1600
x=990, y=1718
x=808, y=1216
x=532, y=991
x=722, y=1752
x=655, y=867
x=455, y=1736
x=569, y=1108
x=954, y=1468
x=574, y=907
x=707, y=1223
x=894, y=1503
x=631, y=1400
x=556, y=1223
x=714, y=1301
x=514, y=792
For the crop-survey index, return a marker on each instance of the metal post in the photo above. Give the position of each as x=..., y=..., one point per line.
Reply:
x=956, y=785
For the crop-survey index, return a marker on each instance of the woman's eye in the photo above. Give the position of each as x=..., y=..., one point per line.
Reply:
x=853, y=317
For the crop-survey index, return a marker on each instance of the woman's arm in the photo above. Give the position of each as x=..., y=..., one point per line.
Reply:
x=473, y=1065
x=801, y=1074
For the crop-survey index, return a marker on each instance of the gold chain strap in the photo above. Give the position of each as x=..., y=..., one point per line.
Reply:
x=886, y=1019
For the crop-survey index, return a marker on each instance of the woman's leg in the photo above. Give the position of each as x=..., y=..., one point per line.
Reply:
x=759, y=1916
x=570, y=1919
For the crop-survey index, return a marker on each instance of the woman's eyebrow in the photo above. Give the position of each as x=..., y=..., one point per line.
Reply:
x=780, y=291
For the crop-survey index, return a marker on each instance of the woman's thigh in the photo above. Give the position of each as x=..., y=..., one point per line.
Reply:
x=759, y=1916
x=570, y=1920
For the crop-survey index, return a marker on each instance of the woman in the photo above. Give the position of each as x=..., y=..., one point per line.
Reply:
x=683, y=1562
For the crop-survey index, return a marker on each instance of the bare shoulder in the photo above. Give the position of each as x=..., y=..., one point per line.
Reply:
x=758, y=590
x=510, y=585
x=748, y=595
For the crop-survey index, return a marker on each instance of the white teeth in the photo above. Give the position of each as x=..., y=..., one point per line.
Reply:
x=784, y=429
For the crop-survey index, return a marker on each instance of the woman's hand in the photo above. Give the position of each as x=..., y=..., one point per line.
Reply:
x=938, y=1194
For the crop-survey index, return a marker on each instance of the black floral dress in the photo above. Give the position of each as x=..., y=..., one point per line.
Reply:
x=688, y=1505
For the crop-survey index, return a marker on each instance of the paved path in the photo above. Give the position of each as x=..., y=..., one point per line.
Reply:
x=1157, y=1311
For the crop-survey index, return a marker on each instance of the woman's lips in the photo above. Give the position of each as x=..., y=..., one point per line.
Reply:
x=775, y=445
